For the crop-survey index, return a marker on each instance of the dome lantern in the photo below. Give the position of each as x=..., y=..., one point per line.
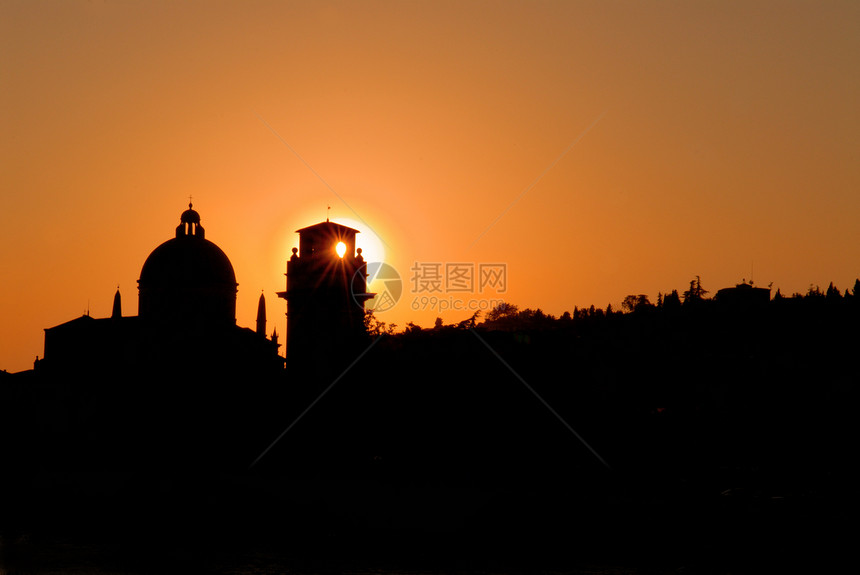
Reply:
x=189, y=224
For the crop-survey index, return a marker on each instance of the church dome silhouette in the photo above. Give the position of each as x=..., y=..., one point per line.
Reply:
x=188, y=280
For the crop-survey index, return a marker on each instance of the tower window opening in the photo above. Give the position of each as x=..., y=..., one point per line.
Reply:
x=340, y=249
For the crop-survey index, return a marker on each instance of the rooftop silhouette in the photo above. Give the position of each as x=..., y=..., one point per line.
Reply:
x=610, y=417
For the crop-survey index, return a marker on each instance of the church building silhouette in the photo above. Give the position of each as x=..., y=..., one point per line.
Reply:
x=186, y=325
x=181, y=383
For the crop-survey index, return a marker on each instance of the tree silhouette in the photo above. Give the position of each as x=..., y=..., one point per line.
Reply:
x=502, y=310
x=672, y=301
x=633, y=303
x=696, y=292
x=411, y=327
x=376, y=327
x=832, y=293
x=469, y=322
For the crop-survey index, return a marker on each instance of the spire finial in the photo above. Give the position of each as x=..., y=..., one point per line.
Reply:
x=261, y=315
x=189, y=202
x=328, y=210
x=116, y=312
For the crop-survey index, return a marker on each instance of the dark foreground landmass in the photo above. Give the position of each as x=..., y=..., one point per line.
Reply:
x=700, y=439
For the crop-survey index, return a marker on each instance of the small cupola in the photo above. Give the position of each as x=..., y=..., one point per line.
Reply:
x=189, y=224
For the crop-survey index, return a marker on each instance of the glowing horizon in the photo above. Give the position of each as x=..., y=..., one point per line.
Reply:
x=654, y=143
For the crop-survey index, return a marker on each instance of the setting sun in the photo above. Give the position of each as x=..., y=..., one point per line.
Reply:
x=298, y=283
x=654, y=142
x=372, y=248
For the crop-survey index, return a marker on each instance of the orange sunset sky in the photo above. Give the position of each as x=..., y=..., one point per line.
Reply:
x=598, y=149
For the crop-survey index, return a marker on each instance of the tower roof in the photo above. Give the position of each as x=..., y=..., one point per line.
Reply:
x=338, y=229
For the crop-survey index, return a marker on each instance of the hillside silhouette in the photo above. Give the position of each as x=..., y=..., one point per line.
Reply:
x=693, y=430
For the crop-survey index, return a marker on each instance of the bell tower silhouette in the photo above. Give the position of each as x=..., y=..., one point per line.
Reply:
x=326, y=292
